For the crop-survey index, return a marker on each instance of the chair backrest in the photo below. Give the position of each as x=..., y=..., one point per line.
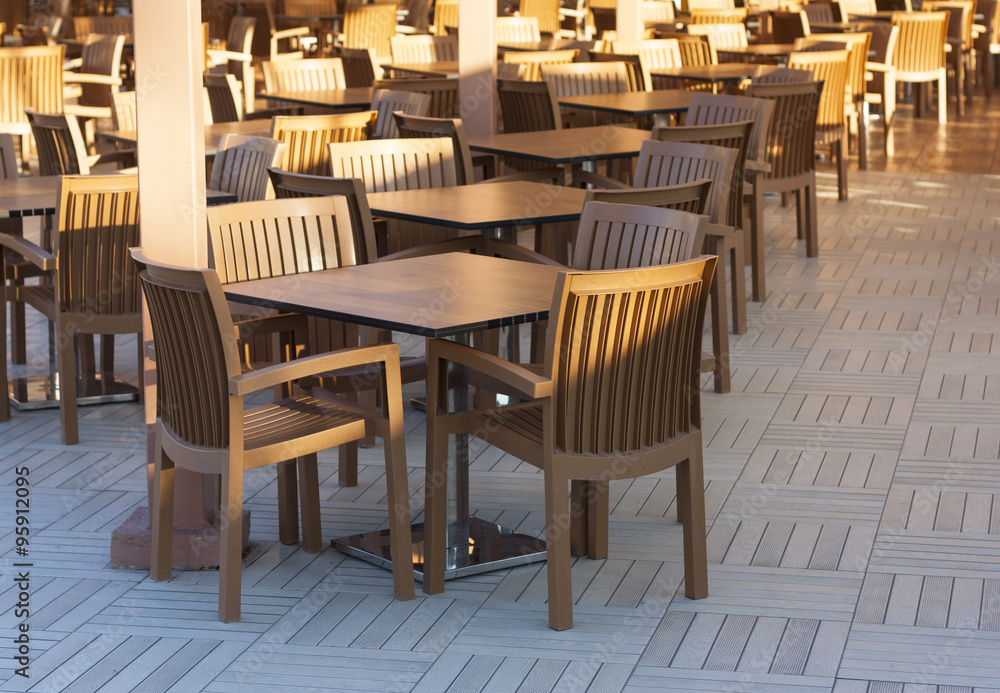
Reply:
x=696, y=49
x=97, y=221
x=715, y=109
x=304, y=75
x=721, y=35
x=617, y=236
x=61, y=150
x=8, y=157
x=821, y=11
x=637, y=75
x=546, y=12
x=513, y=71
x=402, y=164
x=653, y=54
x=34, y=35
x=196, y=351
x=104, y=24
x=239, y=38
x=423, y=49
x=587, y=78
x=33, y=78
x=528, y=106
x=308, y=138
x=711, y=5
x=241, y=164
x=410, y=126
x=830, y=68
x=101, y=56
x=765, y=74
x=735, y=136
x=857, y=44
x=849, y=7
x=287, y=184
x=623, y=349
x=960, y=17
x=533, y=60
x=670, y=163
x=360, y=67
x=370, y=26
x=656, y=11
x=123, y=110
x=386, y=101
x=920, y=45
x=735, y=15
x=445, y=16
x=790, y=144
x=684, y=197
x=225, y=97
x=882, y=46
x=517, y=30
x=443, y=93
x=786, y=27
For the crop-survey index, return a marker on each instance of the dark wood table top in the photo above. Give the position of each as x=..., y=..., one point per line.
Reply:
x=432, y=296
x=439, y=69
x=833, y=27
x=760, y=49
x=213, y=133
x=724, y=72
x=353, y=97
x=483, y=206
x=633, y=103
x=568, y=146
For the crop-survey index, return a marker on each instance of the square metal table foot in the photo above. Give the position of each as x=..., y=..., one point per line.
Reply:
x=42, y=391
x=490, y=547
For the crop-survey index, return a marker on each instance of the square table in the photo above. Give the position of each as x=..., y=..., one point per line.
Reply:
x=759, y=50
x=568, y=146
x=336, y=99
x=433, y=296
x=723, y=72
x=213, y=133
x=439, y=69
x=632, y=103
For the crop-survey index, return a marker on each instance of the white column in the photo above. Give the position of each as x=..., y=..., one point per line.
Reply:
x=628, y=20
x=477, y=59
x=170, y=121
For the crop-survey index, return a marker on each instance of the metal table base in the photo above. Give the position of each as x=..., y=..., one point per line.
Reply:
x=42, y=391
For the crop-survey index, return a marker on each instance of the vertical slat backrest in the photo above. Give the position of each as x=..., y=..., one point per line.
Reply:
x=59, y=143
x=423, y=49
x=8, y=157
x=276, y=238
x=123, y=110
x=546, y=12
x=308, y=138
x=351, y=189
x=670, y=163
x=30, y=77
x=533, y=60
x=653, y=54
x=711, y=5
x=960, y=17
x=370, y=26
x=105, y=24
x=620, y=236
x=715, y=109
x=786, y=27
x=445, y=16
x=359, y=66
x=790, y=142
x=517, y=30
x=683, y=197
x=406, y=164
x=721, y=35
x=655, y=12
x=857, y=44
x=586, y=78
x=316, y=74
x=920, y=44
x=624, y=353
x=101, y=56
x=736, y=15
x=830, y=68
x=386, y=101
x=442, y=92
x=765, y=74
x=528, y=106
x=225, y=98
x=98, y=221
x=241, y=164
x=239, y=38
x=735, y=136
x=849, y=7
x=195, y=351
x=416, y=126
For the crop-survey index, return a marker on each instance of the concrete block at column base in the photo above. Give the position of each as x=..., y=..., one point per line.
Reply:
x=192, y=548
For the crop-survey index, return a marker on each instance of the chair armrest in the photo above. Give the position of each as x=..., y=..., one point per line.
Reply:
x=81, y=77
x=878, y=67
x=72, y=64
x=219, y=57
x=495, y=367
x=755, y=165
x=289, y=33
x=245, y=383
x=37, y=256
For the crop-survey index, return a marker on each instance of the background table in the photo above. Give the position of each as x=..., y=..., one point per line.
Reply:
x=213, y=133
x=353, y=97
x=633, y=103
x=568, y=146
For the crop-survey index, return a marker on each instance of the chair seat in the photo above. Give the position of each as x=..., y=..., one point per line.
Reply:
x=304, y=415
x=521, y=421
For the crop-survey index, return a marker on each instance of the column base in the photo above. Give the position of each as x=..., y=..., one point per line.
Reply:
x=192, y=548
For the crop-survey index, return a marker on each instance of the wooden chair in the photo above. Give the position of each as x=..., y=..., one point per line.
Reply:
x=574, y=430
x=99, y=77
x=361, y=69
x=987, y=44
x=735, y=136
x=765, y=74
x=830, y=68
x=637, y=75
x=791, y=152
x=533, y=61
x=304, y=75
x=527, y=107
x=202, y=423
x=787, y=27
x=34, y=35
x=854, y=7
x=711, y=5
x=280, y=44
x=237, y=57
x=517, y=30
x=301, y=11
x=445, y=17
x=308, y=138
x=657, y=12
x=736, y=15
x=35, y=81
x=653, y=54
x=549, y=16
x=387, y=101
x=512, y=71
x=715, y=109
x=684, y=197
x=411, y=126
x=61, y=149
x=721, y=36
x=822, y=11
x=241, y=164
x=123, y=110
x=959, y=48
x=919, y=56
x=370, y=26
x=107, y=25
x=423, y=49
x=91, y=287
x=880, y=90
x=443, y=93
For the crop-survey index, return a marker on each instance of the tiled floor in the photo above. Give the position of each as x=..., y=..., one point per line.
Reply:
x=853, y=493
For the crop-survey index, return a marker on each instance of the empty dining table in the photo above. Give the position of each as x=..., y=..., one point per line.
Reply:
x=334, y=99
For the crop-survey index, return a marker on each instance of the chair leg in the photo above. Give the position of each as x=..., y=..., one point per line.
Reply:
x=720, y=328
x=435, y=483
x=889, y=115
x=691, y=502
x=559, y=563
x=312, y=530
x=231, y=540
x=347, y=464
x=840, y=151
x=66, y=359
x=942, y=99
x=288, y=501
x=738, y=277
x=863, y=135
x=4, y=399
x=597, y=519
x=398, y=495
x=107, y=353
x=807, y=205
x=18, y=341
x=162, y=514
x=758, y=278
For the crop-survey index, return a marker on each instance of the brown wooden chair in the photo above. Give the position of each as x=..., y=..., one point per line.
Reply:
x=684, y=197
x=34, y=81
x=721, y=36
x=202, y=423
x=423, y=49
x=237, y=57
x=123, y=110
x=527, y=107
x=736, y=15
x=91, y=287
x=17, y=270
x=587, y=78
x=919, y=56
x=370, y=26
x=653, y=54
x=241, y=164
x=411, y=126
x=445, y=17
x=959, y=49
x=881, y=88
x=766, y=74
x=791, y=152
x=107, y=25
x=34, y=35
x=303, y=12
x=572, y=426
x=533, y=60
x=97, y=78
x=361, y=69
x=517, y=30
x=225, y=98
x=304, y=75
x=788, y=27
x=987, y=44
x=387, y=101
x=442, y=92
x=307, y=138
x=277, y=44
x=61, y=149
